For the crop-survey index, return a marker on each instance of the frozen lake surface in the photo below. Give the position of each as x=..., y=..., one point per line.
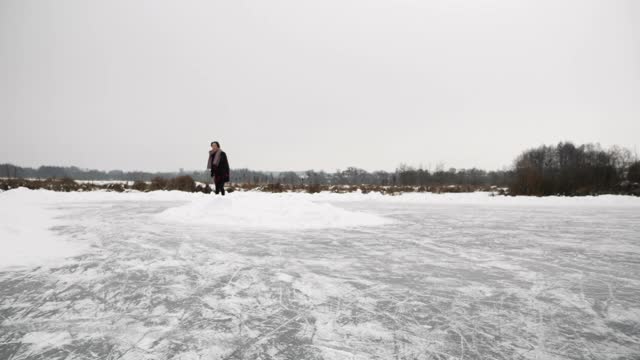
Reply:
x=328, y=276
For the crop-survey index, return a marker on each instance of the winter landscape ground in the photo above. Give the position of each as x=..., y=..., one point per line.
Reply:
x=172, y=275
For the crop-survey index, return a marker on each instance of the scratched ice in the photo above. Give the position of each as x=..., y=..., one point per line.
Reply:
x=476, y=280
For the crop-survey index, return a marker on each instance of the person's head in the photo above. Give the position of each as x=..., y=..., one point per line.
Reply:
x=215, y=145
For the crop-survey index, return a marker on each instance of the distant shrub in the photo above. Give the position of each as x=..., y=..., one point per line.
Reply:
x=63, y=184
x=182, y=183
x=139, y=185
x=338, y=189
x=402, y=189
x=68, y=181
x=274, y=188
x=314, y=188
x=206, y=189
x=634, y=172
x=115, y=187
x=158, y=183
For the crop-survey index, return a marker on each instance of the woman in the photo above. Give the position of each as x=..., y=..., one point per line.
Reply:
x=219, y=166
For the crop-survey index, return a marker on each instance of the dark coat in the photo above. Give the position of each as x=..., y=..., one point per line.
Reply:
x=221, y=172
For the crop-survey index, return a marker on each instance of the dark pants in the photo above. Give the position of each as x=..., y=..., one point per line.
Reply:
x=219, y=187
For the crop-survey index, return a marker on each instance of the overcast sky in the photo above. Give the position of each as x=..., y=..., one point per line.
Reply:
x=295, y=85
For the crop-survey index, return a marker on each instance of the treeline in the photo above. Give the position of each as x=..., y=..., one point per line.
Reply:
x=403, y=176
x=566, y=169
x=73, y=172
x=562, y=169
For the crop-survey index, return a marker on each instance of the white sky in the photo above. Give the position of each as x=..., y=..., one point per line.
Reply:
x=295, y=85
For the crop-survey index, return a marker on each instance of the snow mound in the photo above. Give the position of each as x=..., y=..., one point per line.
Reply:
x=262, y=210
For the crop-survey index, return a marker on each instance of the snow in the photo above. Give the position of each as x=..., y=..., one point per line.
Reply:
x=106, y=182
x=265, y=210
x=24, y=232
x=42, y=340
x=28, y=215
x=484, y=198
x=170, y=274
